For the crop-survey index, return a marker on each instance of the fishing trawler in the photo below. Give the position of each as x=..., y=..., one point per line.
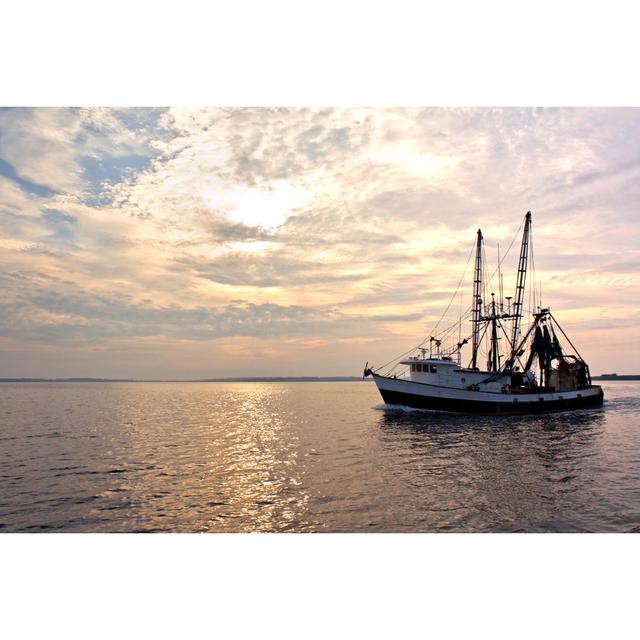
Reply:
x=532, y=373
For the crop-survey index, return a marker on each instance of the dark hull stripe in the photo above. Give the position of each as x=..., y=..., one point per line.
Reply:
x=483, y=407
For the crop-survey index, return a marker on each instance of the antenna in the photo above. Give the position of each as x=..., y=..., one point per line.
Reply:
x=500, y=292
x=540, y=290
x=495, y=354
x=508, y=299
x=460, y=337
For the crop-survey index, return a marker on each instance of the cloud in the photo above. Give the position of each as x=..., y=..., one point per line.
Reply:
x=316, y=225
x=57, y=150
x=38, y=144
x=39, y=307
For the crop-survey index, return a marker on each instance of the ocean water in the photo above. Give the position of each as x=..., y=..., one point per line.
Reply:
x=299, y=457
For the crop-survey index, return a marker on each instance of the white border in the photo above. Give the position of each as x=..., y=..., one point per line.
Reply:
x=330, y=53
x=282, y=52
x=319, y=586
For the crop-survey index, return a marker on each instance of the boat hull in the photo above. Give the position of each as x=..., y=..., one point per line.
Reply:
x=423, y=396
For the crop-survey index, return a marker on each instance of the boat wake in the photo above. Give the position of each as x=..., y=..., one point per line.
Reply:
x=401, y=408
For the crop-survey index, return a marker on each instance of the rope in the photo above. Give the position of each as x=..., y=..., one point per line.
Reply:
x=446, y=332
x=454, y=293
x=507, y=253
x=406, y=353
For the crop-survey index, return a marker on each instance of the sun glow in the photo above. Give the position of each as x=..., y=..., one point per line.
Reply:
x=265, y=206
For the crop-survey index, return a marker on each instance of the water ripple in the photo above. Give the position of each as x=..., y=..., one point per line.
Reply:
x=306, y=457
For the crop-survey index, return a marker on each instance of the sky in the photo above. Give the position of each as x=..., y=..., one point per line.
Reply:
x=219, y=242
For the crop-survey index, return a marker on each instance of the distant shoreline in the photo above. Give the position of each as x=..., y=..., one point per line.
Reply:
x=604, y=376
x=254, y=379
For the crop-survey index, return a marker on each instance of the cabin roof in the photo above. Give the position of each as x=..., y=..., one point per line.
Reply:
x=443, y=362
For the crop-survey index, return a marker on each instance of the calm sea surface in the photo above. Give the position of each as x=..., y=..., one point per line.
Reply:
x=306, y=457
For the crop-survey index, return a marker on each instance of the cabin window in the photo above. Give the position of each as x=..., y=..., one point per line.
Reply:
x=419, y=367
x=413, y=367
x=433, y=368
x=463, y=379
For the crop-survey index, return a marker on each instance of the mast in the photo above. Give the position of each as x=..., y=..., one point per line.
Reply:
x=477, y=302
x=495, y=352
x=522, y=276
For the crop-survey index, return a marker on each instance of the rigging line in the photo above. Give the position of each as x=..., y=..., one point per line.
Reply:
x=504, y=331
x=500, y=281
x=406, y=353
x=486, y=281
x=446, y=332
x=485, y=275
x=398, y=358
x=566, y=336
x=452, y=332
x=533, y=268
x=483, y=353
x=420, y=344
x=454, y=293
x=507, y=252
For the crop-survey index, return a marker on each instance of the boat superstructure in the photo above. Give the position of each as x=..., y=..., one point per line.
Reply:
x=527, y=368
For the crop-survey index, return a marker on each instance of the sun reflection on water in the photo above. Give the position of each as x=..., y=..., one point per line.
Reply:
x=260, y=467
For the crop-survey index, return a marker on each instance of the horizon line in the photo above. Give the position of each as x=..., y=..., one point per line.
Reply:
x=602, y=376
x=230, y=379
